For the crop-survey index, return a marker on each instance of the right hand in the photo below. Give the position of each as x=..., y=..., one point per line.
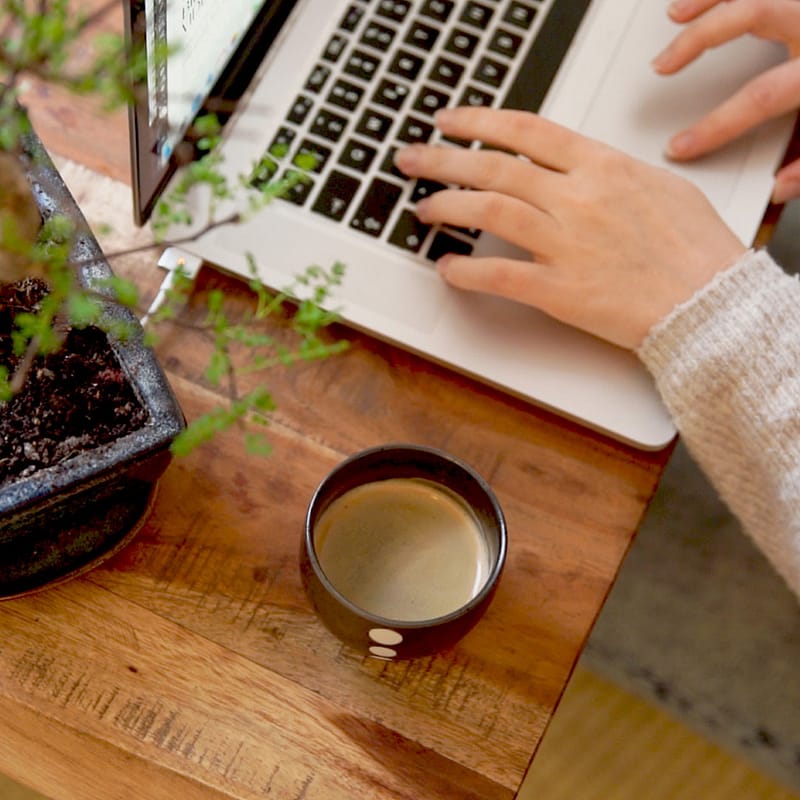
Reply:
x=615, y=244
x=710, y=23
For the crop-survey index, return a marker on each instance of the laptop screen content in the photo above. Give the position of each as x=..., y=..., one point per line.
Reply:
x=214, y=46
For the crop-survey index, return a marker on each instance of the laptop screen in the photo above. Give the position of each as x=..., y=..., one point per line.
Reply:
x=215, y=46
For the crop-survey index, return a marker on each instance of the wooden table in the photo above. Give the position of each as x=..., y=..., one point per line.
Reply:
x=191, y=665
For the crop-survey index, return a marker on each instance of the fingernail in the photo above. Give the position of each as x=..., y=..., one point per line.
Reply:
x=681, y=145
x=661, y=62
x=677, y=7
x=406, y=157
x=443, y=116
x=784, y=191
x=421, y=209
x=443, y=263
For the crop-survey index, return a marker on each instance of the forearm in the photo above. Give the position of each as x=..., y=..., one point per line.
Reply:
x=727, y=364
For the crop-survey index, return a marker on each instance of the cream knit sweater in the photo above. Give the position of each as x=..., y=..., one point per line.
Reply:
x=727, y=364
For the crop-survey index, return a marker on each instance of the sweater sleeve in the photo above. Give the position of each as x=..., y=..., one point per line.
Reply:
x=727, y=365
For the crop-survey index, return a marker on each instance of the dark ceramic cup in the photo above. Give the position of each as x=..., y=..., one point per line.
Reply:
x=403, y=549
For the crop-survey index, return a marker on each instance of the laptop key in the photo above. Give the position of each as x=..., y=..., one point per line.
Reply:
x=476, y=97
x=390, y=94
x=505, y=43
x=351, y=18
x=545, y=55
x=443, y=244
x=490, y=72
x=414, y=130
x=462, y=43
x=388, y=166
x=378, y=36
x=477, y=15
x=345, y=95
x=299, y=188
x=425, y=188
x=376, y=207
x=280, y=144
x=311, y=156
x=362, y=65
x=357, y=156
x=336, y=195
x=446, y=72
x=430, y=100
x=374, y=125
x=473, y=233
x=395, y=10
x=437, y=9
x=299, y=110
x=318, y=78
x=520, y=14
x=328, y=125
x=422, y=36
x=409, y=232
x=406, y=65
x=263, y=172
x=335, y=47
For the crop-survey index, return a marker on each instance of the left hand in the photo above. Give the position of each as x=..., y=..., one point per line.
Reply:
x=615, y=243
x=711, y=23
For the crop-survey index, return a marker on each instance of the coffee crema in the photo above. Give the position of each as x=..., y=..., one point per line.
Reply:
x=404, y=549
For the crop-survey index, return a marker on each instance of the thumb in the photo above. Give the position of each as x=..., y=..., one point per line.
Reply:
x=787, y=183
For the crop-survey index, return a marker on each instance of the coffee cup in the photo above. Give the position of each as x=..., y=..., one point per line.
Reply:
x=402, y=550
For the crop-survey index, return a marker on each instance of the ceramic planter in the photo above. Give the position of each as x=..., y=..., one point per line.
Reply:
x=63, y=520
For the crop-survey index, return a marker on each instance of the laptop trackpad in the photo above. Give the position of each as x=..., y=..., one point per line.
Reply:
x=410, y=294
x=378, y=286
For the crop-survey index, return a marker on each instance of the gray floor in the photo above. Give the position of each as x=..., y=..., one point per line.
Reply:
x=699, y=623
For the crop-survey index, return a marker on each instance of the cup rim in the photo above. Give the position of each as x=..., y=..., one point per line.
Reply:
x=486, y=589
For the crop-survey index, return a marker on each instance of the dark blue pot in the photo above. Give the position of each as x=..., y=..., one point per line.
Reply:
x=63, y=520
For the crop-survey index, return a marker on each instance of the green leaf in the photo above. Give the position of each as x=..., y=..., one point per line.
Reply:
x=218, y=367
x=257, y=445
x=125, y=292
x=5, y=385
x=83, y=310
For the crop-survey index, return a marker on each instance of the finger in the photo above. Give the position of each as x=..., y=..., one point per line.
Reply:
x=778, y=20
x=771, y=94
x=542, y=141
x=511, y=219
x=523, y=281
x=531, y=283
x=478, y=169
x=787, y=183
x=686, y=10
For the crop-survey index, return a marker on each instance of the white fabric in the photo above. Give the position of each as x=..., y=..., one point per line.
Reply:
x=727, y=364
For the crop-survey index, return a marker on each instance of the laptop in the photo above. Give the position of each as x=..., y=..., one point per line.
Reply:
x=350, y=80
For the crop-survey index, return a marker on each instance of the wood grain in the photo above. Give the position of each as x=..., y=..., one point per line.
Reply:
x=191, y=664
x=210, y=588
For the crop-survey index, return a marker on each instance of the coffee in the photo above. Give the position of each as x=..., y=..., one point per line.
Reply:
x=404, y=549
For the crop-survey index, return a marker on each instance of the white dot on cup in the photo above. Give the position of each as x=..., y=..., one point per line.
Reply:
x=385, y=636
x=382, y=652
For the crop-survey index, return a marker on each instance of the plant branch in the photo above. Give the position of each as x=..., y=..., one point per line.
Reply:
x=40, y=39
x=233, y=219
x=24, y=366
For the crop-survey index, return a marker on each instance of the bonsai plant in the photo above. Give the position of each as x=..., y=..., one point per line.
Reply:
x=67, y=502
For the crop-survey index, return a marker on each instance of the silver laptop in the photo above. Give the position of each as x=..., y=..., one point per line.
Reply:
x=350, y=81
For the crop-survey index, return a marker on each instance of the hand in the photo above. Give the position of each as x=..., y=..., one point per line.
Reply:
x=774, y=92
x=615, y=243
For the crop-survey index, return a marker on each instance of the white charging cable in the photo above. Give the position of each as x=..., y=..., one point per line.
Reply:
x=172, y=259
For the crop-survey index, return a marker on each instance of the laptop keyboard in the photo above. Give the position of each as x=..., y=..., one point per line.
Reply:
x=385, y=70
